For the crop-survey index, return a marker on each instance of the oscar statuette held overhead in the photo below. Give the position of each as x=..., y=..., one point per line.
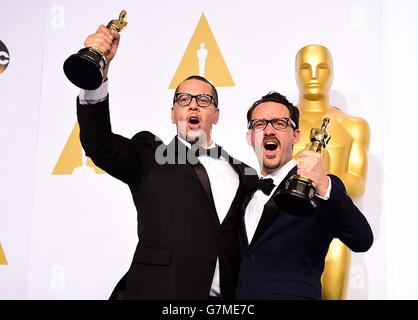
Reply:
x=85, y=68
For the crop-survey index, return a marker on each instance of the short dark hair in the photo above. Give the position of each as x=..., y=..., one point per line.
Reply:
x=274, y=96
x=195, y=77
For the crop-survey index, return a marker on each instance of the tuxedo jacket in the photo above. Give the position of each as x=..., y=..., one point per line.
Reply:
x=180, y=235
x=286, y=256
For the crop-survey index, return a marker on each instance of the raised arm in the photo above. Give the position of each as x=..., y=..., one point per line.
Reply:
x=125, y=159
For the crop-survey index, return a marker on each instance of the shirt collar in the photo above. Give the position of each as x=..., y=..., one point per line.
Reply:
x=189, y=145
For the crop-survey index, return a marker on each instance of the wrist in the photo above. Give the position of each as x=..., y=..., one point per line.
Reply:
x=106, y=71
x=322, y=187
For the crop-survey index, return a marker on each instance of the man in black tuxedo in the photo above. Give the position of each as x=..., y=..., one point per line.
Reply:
x=283, y=255
x=188, y=201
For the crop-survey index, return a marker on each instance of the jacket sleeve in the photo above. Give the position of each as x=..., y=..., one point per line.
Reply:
x=345, y=219
x=125, y=159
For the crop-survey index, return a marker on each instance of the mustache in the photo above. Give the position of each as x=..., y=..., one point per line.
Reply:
x=272, y=137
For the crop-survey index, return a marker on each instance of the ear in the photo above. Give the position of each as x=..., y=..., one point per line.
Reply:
x=172, y=115
x=296, y=136
x=248, y=136
x=216, y=116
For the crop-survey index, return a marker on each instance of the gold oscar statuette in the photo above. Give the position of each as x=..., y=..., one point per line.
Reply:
x=85, y=68
x=297, y=196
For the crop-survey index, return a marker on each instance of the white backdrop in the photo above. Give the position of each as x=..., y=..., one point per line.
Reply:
x=71, y=234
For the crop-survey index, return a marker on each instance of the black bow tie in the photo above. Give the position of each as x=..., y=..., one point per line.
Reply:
x=265, y=185
x=214, y=153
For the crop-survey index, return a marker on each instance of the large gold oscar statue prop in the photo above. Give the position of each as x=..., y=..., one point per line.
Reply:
x=345, y=155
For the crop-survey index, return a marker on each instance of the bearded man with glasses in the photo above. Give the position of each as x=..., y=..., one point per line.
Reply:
x=188, y=194
x=283, y=255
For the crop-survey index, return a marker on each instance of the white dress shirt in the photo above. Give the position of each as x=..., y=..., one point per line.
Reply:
x=94, y=96
x=258, y=200
x=224, y=181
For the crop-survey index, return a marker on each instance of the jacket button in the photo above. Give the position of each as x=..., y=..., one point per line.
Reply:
x=250, y=255
x=340, y=204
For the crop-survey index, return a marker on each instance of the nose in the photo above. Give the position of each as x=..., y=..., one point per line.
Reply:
x=269, y=129
x=314, y=71
x=193, y=105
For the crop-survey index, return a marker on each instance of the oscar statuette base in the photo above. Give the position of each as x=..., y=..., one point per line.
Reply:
x=85, y=68
x=297, y=197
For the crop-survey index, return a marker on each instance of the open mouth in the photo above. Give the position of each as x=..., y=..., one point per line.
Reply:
x=270, y=144
x=194, y=122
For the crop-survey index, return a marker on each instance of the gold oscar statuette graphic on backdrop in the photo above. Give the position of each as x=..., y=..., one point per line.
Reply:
x=71, y=157
x=346, y=155
x=85, y=68
x=203, y=57
x=3, y=259
x=297, y=196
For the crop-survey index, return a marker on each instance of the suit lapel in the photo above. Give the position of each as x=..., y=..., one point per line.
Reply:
x=235, y=166
x=270, y=212
x=243, y=226
x=184, y=156
x=247, y=176
x=201, y=173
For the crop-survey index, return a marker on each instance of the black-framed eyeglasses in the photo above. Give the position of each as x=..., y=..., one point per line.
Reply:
x=202, y=100
x=277, y=123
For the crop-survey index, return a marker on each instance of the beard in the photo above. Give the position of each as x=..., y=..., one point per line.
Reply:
x=272, y=166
